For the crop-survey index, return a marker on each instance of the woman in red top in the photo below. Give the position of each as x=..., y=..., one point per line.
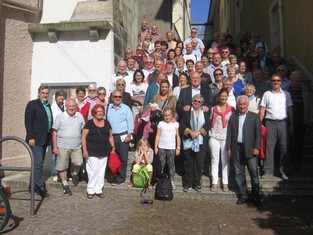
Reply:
x=83, y=106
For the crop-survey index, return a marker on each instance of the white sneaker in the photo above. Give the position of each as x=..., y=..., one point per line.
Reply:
x=173, y=185
x=55, y=178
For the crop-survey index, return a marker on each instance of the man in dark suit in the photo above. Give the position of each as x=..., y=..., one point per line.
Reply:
x=38, y=123
x=243, y=145
x=184, y=102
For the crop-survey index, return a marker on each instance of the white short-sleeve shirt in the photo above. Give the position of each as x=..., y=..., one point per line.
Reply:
x=168, y=135
x=276, y=104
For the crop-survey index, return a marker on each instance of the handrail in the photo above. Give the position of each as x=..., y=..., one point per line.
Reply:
x=31, y=169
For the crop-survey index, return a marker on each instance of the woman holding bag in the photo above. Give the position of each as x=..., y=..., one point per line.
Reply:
x=194, y=126
x=97, y=142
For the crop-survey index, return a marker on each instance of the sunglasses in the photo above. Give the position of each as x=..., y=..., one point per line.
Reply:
x=117, y=97
x=121, y=84
x=218, y=74
x=276, y=80
x=281, y=70
x=197, y=101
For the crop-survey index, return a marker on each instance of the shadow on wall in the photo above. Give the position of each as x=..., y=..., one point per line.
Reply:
x=165, y=11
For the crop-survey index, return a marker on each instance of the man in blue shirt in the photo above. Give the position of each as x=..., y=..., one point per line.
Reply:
x=121, y=119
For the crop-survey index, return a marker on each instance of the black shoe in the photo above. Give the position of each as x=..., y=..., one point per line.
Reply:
x=42, y=193
x=198, y=188
x=186, y=189
x=257, y=202
x=241, y=201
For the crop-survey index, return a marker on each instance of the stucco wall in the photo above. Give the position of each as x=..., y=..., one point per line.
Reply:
x=157, y=12
x=299, y=31
x=16, y=45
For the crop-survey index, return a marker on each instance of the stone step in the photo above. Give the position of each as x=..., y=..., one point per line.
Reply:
x=20, y=182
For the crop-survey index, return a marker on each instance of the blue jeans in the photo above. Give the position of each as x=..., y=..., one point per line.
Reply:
x=240, y=160
x=39, y=153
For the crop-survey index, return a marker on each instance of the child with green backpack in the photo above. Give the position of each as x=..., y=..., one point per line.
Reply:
x=142, y=169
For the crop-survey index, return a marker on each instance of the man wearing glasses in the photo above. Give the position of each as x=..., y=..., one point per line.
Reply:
x=121, y=119
x=278, y=116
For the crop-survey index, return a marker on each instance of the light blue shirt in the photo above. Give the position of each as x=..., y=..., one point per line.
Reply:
x=121, y=119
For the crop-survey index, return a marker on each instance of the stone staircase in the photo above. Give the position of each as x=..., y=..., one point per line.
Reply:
x=298, y=188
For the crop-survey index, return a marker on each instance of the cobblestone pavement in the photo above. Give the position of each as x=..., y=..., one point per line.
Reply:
x=121, y=213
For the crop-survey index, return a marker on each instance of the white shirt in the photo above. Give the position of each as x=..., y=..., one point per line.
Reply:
x=128, y=79
x=242, y=119
x=231, y=100
x=195, y=91
x=276, y=104
x=210, y=70
x=168, y=135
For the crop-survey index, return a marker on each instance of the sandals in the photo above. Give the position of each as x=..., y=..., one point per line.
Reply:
x=90, y=196
x=225, y=188
x=214, y=188
x=101, y=195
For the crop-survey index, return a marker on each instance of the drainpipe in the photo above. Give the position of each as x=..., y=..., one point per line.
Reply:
x=281, y=28
x=23, y=6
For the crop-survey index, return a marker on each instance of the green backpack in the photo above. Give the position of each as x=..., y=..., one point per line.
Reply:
x=141, y=179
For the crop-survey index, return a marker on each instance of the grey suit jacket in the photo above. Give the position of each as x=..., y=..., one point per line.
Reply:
x=251, y=133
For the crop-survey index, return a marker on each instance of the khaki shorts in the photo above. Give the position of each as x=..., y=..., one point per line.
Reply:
x=64, y=156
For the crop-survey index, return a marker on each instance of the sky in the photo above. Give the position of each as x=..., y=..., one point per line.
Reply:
x=199, y=10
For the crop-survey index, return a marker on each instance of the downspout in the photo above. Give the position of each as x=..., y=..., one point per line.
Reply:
x=23, y=6
x=281, y=28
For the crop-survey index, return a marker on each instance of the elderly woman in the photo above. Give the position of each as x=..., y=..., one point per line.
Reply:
x=219, y=116
x=193, y=127
x=254, y=103
x=233, y=75
x=101, y=94
x=183, y=83
x=121, y=86
x=97, y=142
x=139, y=89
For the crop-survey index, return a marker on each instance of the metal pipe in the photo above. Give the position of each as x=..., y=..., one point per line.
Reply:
x=31, y=169
x=23, y=6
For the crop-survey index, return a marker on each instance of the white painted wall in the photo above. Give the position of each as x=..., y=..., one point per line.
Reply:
x=74, y=58
x=55, y=11
x=72, y=61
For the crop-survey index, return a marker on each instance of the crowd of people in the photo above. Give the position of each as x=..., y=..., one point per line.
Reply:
x=174, y=98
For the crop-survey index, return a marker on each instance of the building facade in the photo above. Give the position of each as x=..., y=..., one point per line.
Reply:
x=65, y=44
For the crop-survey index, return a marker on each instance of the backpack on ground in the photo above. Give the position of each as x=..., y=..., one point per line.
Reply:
x=141, y=179
x=164, y=190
